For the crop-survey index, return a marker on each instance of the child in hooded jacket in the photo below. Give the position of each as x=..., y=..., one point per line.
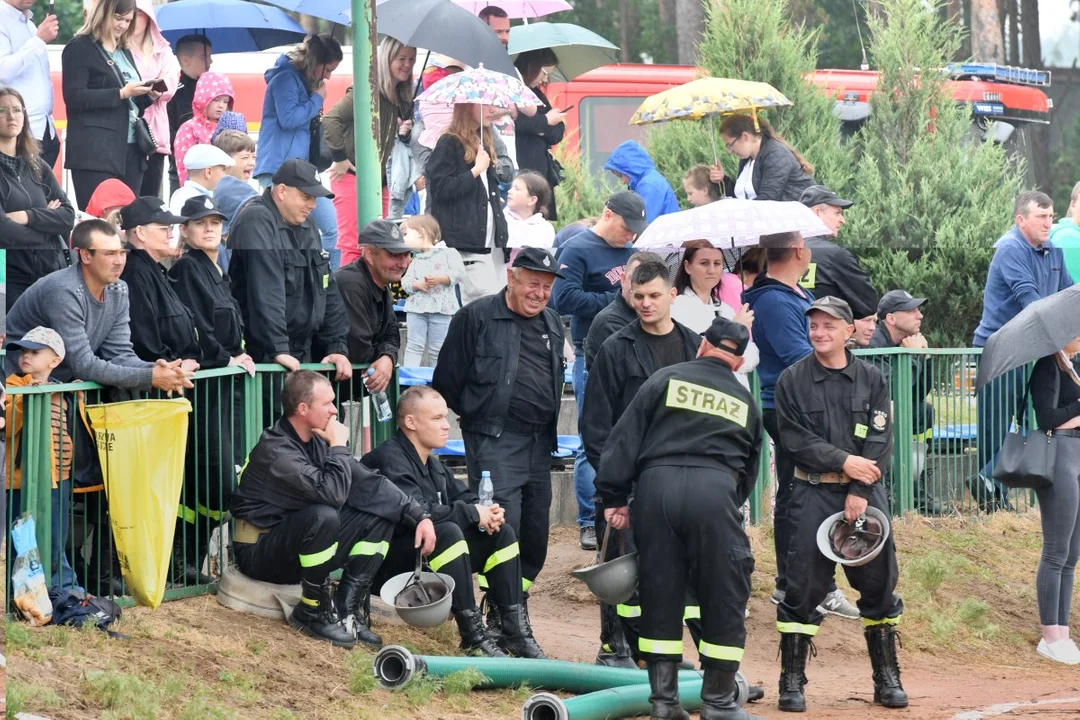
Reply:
x=526, y=210
x=429, y=281
x=213, y=97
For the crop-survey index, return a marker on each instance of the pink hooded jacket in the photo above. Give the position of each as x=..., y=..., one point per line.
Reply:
x=199, y=130
x=161, y=64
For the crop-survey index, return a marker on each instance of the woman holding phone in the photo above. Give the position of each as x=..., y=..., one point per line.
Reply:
x=536, y=135
x=105, y=98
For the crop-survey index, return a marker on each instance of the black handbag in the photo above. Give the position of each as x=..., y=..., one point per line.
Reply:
x=144, y=137
x=318, y=152
x=1026, y=459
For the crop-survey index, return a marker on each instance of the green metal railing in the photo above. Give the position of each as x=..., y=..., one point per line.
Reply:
x=230, y=409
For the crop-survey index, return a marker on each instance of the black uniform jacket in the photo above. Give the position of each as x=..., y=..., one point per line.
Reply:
x=283, y=474
x=692, y=414
x=835, y=271
x=921, y=377
x=281, y=278
x=373, y=329
x=621, y=367
x=97, y=117
x=207, y=292
x=162, y=327
x=607, y=322
x=825, y=415
x=431, y=484
x=478, y=364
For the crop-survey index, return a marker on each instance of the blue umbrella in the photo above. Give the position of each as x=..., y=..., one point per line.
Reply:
x=336, y=11
x=230, y=25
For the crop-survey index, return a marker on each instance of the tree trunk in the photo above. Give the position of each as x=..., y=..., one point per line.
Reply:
x=671, y=41
x=1029, y=29
x=986, y=43
x=1038, y=135
x=624, y=30
x=689, y=26
x=875, y=10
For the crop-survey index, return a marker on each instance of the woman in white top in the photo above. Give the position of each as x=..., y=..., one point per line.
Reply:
x=769, y=168
x=695, y=305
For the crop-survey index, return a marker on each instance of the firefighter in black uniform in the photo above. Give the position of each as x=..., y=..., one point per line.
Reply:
x=213, y=449
x=691, y=439
x=305, y=507
x=834, y=420
x=467, y=535
x=618, y=370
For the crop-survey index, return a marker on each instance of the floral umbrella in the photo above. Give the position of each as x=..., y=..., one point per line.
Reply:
x=481, y=87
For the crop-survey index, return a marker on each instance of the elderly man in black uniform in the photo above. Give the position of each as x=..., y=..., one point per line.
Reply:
x=833, y=412
x=501, y=370
x=691, y=439
x=467, y=535
x=305, y=507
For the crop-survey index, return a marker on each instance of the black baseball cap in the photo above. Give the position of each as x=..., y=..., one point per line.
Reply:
x=303, y=176
x=199, y=207
x=631, y=208
x=536, y=259
x=834, y=306
x=897, y=301
x=384, y=234
x=821, y=195
x=147, y=210
x=724, y=329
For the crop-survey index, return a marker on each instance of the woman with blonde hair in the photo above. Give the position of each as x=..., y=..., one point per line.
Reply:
x=295, y=91
x=105, y=97
x=769, y=168
x=1055, y=395
x=463, y=195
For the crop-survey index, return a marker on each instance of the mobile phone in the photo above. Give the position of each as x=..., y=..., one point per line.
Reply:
x=159, y=86
x=567, y=109
x=52, y=7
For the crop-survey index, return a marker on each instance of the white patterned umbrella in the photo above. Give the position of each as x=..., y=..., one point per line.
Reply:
x=731, y=223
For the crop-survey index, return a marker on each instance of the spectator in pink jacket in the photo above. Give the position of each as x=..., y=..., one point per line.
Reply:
x=213, y=97
x=154, y=60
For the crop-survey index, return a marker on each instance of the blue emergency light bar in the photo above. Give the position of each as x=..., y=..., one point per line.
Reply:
x=999, y=73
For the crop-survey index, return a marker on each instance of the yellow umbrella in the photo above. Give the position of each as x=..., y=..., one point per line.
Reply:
x=708, y=98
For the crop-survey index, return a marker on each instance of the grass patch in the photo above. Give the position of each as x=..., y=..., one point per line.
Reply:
x=463, y=682
x=21, y=696
x=361, y=676
x=128, y=695
x=929, y=571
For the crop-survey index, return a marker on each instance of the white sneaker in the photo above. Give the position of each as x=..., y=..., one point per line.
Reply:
x=1062, y=651
x=836, y=604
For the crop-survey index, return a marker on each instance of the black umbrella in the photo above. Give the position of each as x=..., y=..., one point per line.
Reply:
x=1042, y=328
x=443, y=27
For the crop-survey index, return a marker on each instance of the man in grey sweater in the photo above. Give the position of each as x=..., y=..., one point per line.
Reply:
x=87, y=304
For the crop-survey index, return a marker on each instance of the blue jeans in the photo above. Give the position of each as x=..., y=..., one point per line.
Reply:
x=326, y=218
x=425, y=331
x=584, y=472
x=998, y=401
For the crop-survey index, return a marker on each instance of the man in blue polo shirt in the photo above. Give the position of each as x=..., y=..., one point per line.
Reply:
x=1026, y=267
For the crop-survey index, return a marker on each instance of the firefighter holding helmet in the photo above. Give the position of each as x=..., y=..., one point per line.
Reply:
x=834, y=419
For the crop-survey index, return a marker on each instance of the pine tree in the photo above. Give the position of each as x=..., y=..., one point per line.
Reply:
x=757, y=40
x=931, y=197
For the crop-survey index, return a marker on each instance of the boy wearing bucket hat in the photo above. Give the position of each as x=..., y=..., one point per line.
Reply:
x=688, y=446
x=834, y=420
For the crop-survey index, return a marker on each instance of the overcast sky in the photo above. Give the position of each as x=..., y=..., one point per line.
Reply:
x=1060, y=37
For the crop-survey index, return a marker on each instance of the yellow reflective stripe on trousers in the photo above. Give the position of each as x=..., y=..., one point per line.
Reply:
x=788, y=628
x=482, y=582
x=720, y=652
x=526, y=584
x=449, y=555
x=309, y=601
x=212, y=514
x=186, y=514
x=660, y=647
x=867, y=622
x=316, y=559
x=692, y=612
x=369, y=548
x=628, y=611
x=500, y=556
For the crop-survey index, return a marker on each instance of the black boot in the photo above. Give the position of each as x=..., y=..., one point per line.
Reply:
x=664, y=683
x=494, y=626
x=794, y=649
x=924, y=501
x=354, y=607
x=474, y=637
x=718, y=697
x=614, y=651
x=185, y=571
x=517, y=639
x=881, y=644
x=754, y=693
x=320, y=620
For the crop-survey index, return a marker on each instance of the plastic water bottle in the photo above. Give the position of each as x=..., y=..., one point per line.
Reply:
x=382, y=403
x=487, y=490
